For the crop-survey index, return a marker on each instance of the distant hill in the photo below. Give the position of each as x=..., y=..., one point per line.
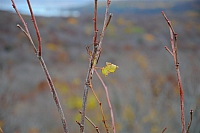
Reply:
x=143, y=7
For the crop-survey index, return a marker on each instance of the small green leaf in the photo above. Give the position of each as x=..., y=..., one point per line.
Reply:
x=109, y=68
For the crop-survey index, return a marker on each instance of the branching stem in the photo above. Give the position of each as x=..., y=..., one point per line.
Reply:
x=108, y=100
x=91, y=122
x=38, y=52
x=174, y=53
x=93, y=59
x=100, y=104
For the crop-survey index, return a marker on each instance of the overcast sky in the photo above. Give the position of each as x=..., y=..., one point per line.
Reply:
x=50, y=7
x=45, y=3
x=42, y=7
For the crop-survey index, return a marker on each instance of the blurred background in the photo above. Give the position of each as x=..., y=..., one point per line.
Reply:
x=143, y=91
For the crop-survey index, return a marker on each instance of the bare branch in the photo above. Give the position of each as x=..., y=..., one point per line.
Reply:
x=189, y=124
x=105, y=22
x=48, y=77
x=36, y=29
x=108, y=100
x=100, y=104
x=93, y=60
x=54, y=93
x=174, y=48
x=169, y=50
x=109, y=18
x=25, y=25
x=95, y=24
x=92, y=123
x=168, y=22
x=31, y=41
x=173, y=40
x=164, y=129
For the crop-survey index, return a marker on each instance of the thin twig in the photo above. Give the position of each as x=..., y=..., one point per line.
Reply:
x=164, y=129
x=106, y=22
x=48, y=77
x=168, y=22
x=174, y=48
x=108, y=99
x=36, y=29
x=169, y=50
x=26, y=31
x=95, y=24
x=91, y=122
x=54, y=93
x=189, y=124
x=90, y=71
x=173, y=40
x=31, y=41
x=102, y=112
x=78, y=123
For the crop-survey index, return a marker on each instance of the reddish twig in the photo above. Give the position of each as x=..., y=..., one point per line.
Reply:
x=95, y=24
x=164, y=129
x=29, y=37
x=169, y=50
x=36, y=29
x=189, y=124
x=106, y=21
x=39, y=55
x=108, y=100
x=90, y=71
x=26, y=31
x=174, y=53
x=54, y=93
x=100, y=104
x=94, y=57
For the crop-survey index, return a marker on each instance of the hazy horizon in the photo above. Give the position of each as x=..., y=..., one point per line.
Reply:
x=45, y=7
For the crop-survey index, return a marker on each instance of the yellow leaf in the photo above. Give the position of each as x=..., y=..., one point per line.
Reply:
x=109, y=68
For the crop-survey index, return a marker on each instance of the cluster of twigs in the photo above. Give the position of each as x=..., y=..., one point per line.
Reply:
x=94, y=58
x=174, y=53
x=38, y=52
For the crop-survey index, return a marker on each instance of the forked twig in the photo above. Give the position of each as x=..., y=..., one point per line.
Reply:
x=173, y=40
x=30, y=39
x=38, y=52
x=92, y=123
x=93, y=60
x=189, y=124
x=26, y=31
x=108, y=100
x=169, y=50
